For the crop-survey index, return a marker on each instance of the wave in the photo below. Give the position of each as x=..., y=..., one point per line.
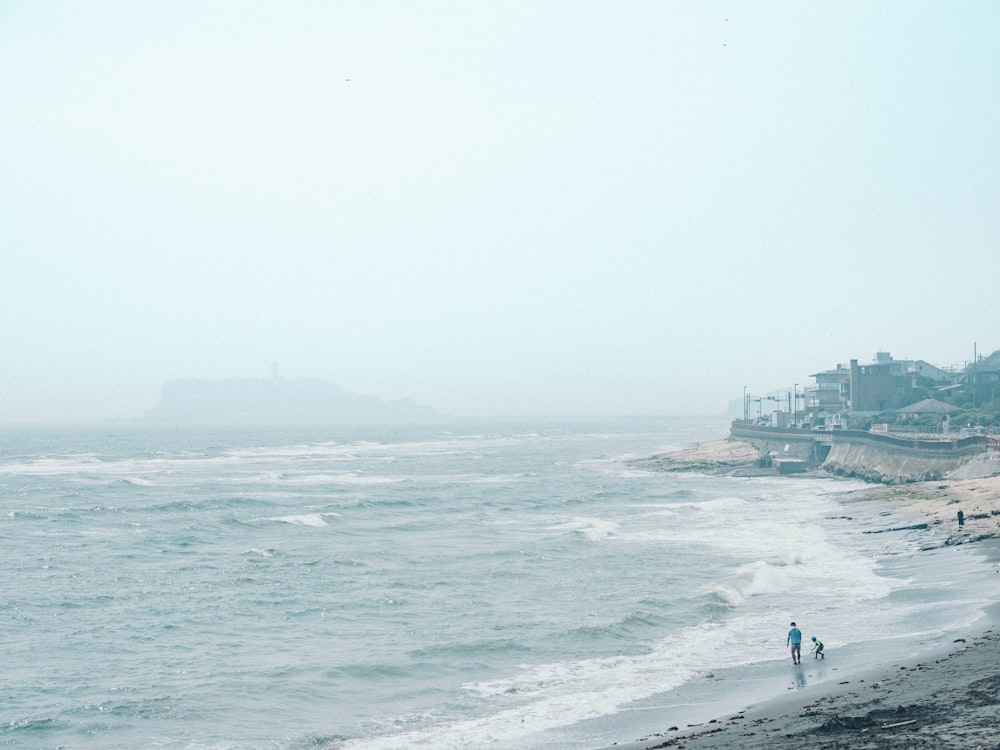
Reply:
x=350, y=478
x=304, y=519
x=125, y=481
x=266, y=552
x=591, y=529
x=621, y=629
x=679, y=493
x=41, y=724
x=798, y=563
x=548, y=696
x=753, y=579
x=470, y=649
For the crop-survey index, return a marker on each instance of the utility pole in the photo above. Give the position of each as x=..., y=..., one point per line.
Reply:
x=975, y=371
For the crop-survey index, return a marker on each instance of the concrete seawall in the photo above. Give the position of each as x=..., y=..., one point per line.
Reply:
x=874, y=458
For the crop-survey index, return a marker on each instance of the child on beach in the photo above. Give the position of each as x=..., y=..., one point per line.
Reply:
x=817, y=649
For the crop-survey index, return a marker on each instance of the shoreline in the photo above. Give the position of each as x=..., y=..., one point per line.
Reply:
x=973, y=488
x=949, y=698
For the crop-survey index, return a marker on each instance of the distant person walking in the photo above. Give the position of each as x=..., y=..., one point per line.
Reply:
x=817, y=648
x=961, y=519
x=795, y=641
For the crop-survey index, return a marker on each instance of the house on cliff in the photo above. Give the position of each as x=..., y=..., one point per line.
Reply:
x=831, y=396
x=930, y=407
x=870, y=388
x=874, y=387
x=936, y=374
x=887, y=382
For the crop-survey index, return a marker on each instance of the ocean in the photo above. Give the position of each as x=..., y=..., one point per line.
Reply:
x=494, y=584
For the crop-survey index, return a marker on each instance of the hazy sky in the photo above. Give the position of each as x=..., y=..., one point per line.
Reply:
x=494, y=208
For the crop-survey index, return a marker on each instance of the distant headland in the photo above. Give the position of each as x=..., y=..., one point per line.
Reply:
x=277, y=401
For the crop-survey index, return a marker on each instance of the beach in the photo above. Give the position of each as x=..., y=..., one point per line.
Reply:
x=939, y=502
x=950, y=699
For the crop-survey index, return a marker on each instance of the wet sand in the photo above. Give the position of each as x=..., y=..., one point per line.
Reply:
x=949, y=700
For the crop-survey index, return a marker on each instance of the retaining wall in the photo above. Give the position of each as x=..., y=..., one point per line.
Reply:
x=874, y=458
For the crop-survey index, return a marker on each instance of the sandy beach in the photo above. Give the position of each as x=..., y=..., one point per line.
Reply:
x=949, y=700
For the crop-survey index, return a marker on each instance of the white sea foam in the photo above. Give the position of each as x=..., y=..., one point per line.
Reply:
x=268, y=552
x=547, y=696
x=305, y=519
x=75, y=465
x=591, y=529
x=753, y=579
x=348, y=478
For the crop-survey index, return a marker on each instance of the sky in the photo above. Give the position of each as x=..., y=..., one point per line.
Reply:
x=492, y=208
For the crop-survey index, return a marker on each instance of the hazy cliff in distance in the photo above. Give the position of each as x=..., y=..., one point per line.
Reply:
x=276, y=401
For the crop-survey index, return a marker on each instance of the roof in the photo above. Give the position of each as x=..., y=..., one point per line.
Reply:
x=929, y=406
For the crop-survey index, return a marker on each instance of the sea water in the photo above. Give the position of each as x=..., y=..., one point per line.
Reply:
x=469, y=585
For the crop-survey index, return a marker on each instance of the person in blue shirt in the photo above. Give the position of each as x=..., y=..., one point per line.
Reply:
x=795, y=641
